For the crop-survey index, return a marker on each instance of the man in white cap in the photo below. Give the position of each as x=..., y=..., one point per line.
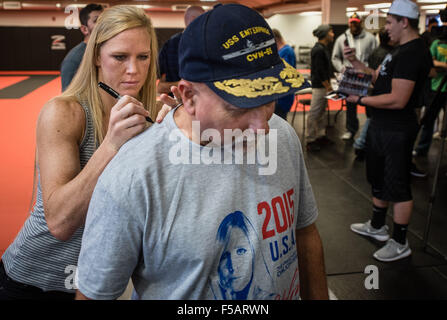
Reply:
x=398, y=82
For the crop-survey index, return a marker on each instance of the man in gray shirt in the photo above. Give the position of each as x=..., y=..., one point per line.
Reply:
x=364, y=43
x=87, y=16
x=190, y=211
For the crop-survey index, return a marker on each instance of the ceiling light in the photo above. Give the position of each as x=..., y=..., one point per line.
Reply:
x=431, y=1
x=433, y=7
x=310, y=13
x=348, y=9
x=143, y=6
x=377, y=5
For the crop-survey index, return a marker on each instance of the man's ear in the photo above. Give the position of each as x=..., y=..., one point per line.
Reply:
x=84, y=30
x=405, y=22
x=188, y=94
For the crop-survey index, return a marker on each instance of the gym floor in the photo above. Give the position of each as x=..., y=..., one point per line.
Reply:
x=339, y=185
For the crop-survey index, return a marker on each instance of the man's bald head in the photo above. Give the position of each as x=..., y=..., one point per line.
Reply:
x=191, y=13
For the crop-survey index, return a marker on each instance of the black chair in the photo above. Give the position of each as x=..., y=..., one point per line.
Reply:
x=304, y=102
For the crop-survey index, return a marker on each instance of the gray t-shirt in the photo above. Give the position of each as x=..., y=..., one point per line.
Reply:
x=196, y=231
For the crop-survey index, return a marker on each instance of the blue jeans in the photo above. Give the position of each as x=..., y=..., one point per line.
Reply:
x=360, y=142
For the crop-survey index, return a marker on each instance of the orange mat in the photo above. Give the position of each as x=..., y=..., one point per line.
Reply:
x=10, y=80
x=17, y=140
x=333, y=105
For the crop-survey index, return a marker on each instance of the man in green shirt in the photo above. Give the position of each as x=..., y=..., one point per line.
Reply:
x=438, y=50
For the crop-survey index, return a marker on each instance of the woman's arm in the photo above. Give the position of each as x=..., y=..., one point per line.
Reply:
x=66, y=189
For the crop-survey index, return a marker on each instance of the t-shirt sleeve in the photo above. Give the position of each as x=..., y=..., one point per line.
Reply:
x=306, y=204
x=111, y=245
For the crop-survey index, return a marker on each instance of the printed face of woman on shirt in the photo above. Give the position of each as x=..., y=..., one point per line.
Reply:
x=236, y=262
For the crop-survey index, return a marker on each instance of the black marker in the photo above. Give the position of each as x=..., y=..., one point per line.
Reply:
x=116, y=95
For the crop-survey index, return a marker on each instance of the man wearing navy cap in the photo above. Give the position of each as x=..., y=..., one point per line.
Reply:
x=188, y=217
x=399, y=81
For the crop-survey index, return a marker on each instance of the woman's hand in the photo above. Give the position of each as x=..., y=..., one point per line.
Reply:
x=169, y=103
x=127, y=119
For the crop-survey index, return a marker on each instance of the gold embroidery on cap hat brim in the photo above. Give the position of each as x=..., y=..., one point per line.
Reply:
x=291, y=76
x=252, y=88
x=262, y=86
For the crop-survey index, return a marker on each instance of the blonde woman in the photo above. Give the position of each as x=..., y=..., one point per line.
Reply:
x=78, y=133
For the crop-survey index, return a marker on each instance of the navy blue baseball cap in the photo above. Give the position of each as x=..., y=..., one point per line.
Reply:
x=231, y=49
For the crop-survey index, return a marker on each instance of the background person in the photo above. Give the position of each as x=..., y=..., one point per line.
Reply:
x=168, y=56
x=88, y=17
x=393, y=128
x=163, y=217
x=436, y=102
x=72, y=154
x=286, y=52
x=364, y=43
x=321, y=73
x=427, y=34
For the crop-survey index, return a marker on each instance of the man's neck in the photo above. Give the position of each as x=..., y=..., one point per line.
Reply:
x=407, y=36
x=184, y=120
x=324, y=42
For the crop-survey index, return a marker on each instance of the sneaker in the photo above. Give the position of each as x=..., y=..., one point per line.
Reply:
x=392, y=251
x=347, y=136
x=417, y=172
x=366, y=229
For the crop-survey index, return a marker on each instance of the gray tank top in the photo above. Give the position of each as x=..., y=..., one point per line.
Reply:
x=36, y=257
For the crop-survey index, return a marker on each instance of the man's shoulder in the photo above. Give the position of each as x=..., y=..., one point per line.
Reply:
x=142, y=150
x=173, y=40
x=76, y=53
x=286, y=132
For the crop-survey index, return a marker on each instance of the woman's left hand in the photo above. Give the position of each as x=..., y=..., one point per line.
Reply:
x=169, y=103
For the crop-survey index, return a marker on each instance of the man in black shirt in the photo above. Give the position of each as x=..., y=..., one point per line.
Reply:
x=321, y=74
x=168, y=55
x=398, y=83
